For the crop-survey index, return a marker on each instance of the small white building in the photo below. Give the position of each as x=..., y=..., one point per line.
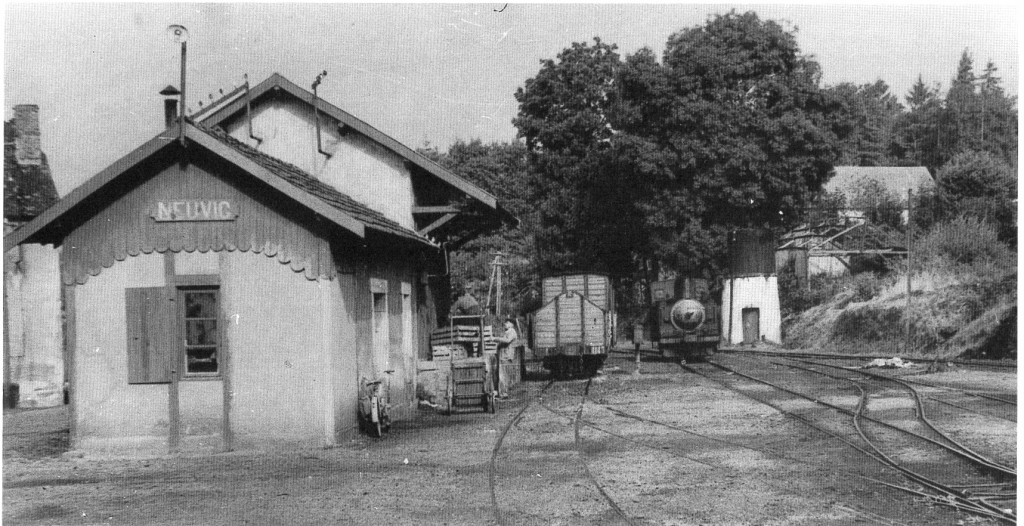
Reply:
x=750, y=293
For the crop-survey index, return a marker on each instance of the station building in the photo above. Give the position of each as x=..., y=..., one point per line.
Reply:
x=231, y=282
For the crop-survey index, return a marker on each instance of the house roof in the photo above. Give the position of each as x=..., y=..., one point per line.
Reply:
x=234, y=102
x=294, y=183
x=896, y=179
x=28, y=188
x=294, y=175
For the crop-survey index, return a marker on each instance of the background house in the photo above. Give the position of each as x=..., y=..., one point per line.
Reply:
x=33, y=358
x=853, y=182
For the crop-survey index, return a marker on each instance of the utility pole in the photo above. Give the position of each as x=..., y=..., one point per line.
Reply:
x=495, y=284
x=910, y=262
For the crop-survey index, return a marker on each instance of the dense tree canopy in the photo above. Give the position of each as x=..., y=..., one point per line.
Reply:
x=865, y=117
x=976, y=115
x=981, y=185
x=639, y=165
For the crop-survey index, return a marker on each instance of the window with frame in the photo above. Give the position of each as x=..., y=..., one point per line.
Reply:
x=199, y=308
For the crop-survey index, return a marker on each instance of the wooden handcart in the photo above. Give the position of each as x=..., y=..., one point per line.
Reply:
x=470, y=382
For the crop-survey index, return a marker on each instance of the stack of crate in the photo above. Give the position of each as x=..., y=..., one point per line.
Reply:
x=461, y=341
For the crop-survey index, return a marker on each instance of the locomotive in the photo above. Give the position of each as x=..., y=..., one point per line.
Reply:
x=685, y=318
x=574, y=329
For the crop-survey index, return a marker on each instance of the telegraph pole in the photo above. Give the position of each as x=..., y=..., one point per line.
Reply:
x=910, y=262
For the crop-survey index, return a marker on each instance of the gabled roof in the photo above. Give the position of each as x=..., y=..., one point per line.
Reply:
x=842, y=234
x=289, y=180
x=300, y=179
x=896, y=179
x=232, y=103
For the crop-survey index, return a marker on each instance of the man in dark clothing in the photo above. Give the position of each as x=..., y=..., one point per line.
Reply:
x=466, y=305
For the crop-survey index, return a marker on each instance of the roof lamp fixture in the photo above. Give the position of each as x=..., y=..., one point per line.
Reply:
x=179, y=34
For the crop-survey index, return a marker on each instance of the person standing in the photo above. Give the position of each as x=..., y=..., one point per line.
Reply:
x=507, y=344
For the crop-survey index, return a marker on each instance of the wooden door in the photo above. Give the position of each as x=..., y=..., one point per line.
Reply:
x=751, y=325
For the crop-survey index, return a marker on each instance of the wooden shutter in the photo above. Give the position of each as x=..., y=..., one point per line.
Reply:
x=151, y=335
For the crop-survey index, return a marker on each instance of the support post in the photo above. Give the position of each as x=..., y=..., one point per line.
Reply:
x=910, y=264
x=181, y=106
x=638, y=336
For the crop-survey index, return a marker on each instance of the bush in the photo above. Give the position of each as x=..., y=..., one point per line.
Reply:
x=794, y=299
x=964, y=240
x=980, y=185
x=867, y=285
x=868, y=325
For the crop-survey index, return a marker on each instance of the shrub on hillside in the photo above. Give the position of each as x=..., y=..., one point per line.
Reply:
x=980, y=185
x=823, y=288
x=964, y=240
x=868, y=325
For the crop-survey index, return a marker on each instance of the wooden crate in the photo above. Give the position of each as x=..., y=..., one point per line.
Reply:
x=470, y=384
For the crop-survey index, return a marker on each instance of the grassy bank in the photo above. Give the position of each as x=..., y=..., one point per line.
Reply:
x=963, y=304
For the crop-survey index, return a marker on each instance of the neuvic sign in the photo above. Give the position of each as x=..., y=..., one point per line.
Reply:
x=195, y=210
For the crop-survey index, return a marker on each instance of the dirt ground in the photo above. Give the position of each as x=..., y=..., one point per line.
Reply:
x=664, y=447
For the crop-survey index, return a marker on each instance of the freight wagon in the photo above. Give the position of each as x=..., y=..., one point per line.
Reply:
x=575, y=327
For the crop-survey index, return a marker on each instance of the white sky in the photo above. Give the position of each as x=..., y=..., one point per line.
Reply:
x=418, y=72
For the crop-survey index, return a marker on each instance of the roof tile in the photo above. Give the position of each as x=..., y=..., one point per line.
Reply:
x=313, y=186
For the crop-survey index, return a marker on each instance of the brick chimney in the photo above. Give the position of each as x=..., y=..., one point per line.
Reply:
x=26, y=122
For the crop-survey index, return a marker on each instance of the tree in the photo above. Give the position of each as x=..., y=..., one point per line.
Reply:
x=961, y=104
x=976, y=115
x=880, y=206
x=918, y=130
x=869, y=113
x=998, y=116
x=501, y=169
x=580, y=179
x=639, y=165
x=749, y=137
x=981, y=185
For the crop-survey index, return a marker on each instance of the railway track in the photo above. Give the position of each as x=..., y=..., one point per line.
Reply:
x=867, y=438
x=862, y=513
x=492, y=470
x=577, y=442
x=861, y=357
x=950, y=443
x=684, y=452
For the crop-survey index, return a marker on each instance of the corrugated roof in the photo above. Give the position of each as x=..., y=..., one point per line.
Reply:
x=313, y=186
x=896, y=179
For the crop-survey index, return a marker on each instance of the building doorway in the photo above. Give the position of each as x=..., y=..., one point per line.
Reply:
x=751, y=325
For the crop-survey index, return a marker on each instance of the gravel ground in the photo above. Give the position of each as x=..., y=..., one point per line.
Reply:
x=664, y=447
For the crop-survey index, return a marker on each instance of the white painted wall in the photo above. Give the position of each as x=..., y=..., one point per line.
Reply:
x=111, y=416
x=358, y=167
x=278, y=342
x=829, y=265
x=758, y=292
x=35, y=340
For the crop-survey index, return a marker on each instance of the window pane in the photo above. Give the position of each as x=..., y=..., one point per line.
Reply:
x=200, y=305
x=202, y=359
x=200, y=332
